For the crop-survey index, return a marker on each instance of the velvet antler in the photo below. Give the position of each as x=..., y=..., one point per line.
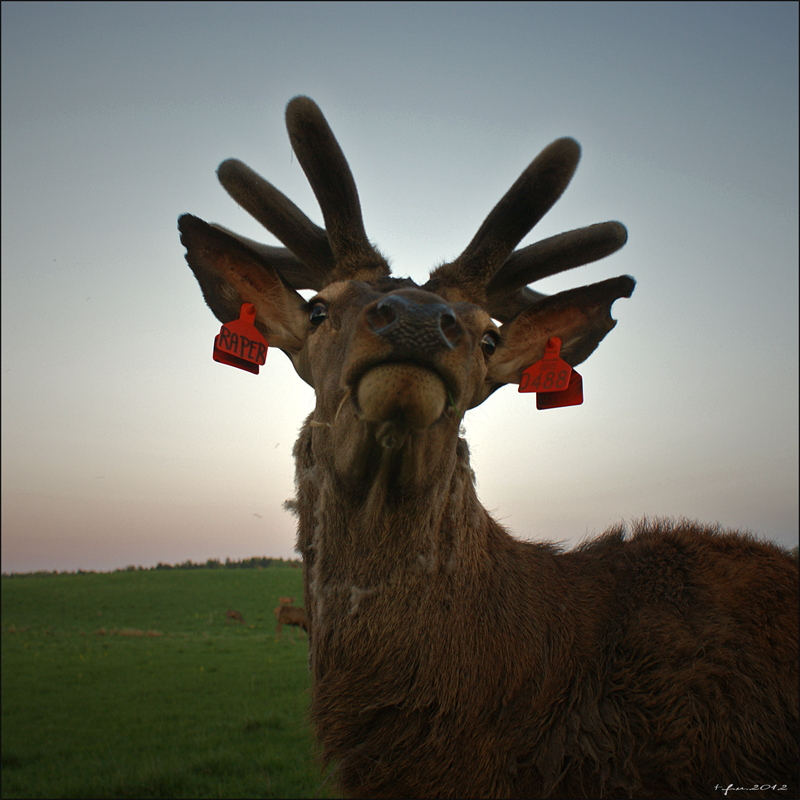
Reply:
x=328, y=173
x=491, y=274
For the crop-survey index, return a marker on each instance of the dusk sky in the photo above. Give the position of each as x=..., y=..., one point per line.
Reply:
x=123, y=442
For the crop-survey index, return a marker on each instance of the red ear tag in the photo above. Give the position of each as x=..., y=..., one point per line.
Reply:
x=240, y=344
x=555, y=382
x=549, y=374
x=571, y=396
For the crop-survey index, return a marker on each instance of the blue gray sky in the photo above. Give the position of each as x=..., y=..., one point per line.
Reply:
x=123, y=442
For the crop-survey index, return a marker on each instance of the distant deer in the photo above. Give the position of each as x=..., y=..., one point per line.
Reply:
x=292, y=616
x=234, y=616
x=449, y=659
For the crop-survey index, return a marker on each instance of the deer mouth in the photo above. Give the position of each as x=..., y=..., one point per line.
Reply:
x=410, y=396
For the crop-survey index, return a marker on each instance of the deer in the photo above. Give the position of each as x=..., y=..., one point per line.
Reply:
x=449, y=658
x=233, y=616
x=293, y=616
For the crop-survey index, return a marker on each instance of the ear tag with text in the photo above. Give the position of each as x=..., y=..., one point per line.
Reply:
x=554, y=381
x=240, y=344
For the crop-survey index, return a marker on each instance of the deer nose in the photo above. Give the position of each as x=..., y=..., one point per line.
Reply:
x=412, y=327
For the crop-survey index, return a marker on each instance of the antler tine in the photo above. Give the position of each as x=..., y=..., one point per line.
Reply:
x=298, y=274
x=525, y=203
x=506, y=291
x=505, y=308
x=330, y=177
x=279, y=215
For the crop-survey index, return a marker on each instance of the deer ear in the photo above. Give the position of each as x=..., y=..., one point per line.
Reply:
x=579, y=317
x=230, y=274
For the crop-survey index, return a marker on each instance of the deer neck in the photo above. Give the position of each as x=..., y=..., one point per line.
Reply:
x=372, y=516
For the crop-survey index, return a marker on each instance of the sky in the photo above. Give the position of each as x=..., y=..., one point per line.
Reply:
x=123, y=442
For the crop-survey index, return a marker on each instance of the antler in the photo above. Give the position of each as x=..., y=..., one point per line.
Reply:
x=315, y=256
x=490, y=274
x=328, y=173
x=309, y=256
x=507, y=291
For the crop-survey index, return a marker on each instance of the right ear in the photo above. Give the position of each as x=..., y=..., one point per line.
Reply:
x=230, y=274
x=579, y=317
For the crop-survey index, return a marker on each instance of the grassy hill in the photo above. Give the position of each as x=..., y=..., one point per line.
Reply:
x=131, y=684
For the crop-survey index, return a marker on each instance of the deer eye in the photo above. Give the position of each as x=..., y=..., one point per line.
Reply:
x=489, y=343
x=319, y=313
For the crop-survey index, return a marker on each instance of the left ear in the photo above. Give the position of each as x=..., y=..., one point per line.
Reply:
x=230, y=273
x=579, y=317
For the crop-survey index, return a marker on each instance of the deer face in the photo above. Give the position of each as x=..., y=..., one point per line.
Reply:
x=403, y=356
x=382, y=353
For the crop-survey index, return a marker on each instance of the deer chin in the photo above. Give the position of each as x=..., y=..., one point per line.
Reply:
x=402, y=398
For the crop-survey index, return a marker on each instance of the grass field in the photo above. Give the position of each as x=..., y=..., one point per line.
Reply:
x=130, y=684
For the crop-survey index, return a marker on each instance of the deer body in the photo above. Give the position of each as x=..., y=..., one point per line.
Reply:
x=292, y=616
x=509, y=669
x=448, y=658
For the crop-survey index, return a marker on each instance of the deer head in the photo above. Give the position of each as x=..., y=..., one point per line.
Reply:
x=394, y=365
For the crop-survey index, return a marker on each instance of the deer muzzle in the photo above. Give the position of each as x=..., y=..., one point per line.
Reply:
x=405, y=339
x=406, y=393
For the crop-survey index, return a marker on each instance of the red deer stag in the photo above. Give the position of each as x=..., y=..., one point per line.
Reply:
x=449, y=659
x=290, y=615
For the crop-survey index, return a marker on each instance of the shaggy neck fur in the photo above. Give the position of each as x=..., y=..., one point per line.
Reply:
x=451, y=660
x=400, y=558
x=375, y=518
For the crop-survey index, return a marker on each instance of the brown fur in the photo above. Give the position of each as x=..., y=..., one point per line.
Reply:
x=234, y=616
x=448, y=658
x=654, y=664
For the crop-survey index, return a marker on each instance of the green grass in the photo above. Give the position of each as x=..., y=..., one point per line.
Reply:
x=92, y=707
